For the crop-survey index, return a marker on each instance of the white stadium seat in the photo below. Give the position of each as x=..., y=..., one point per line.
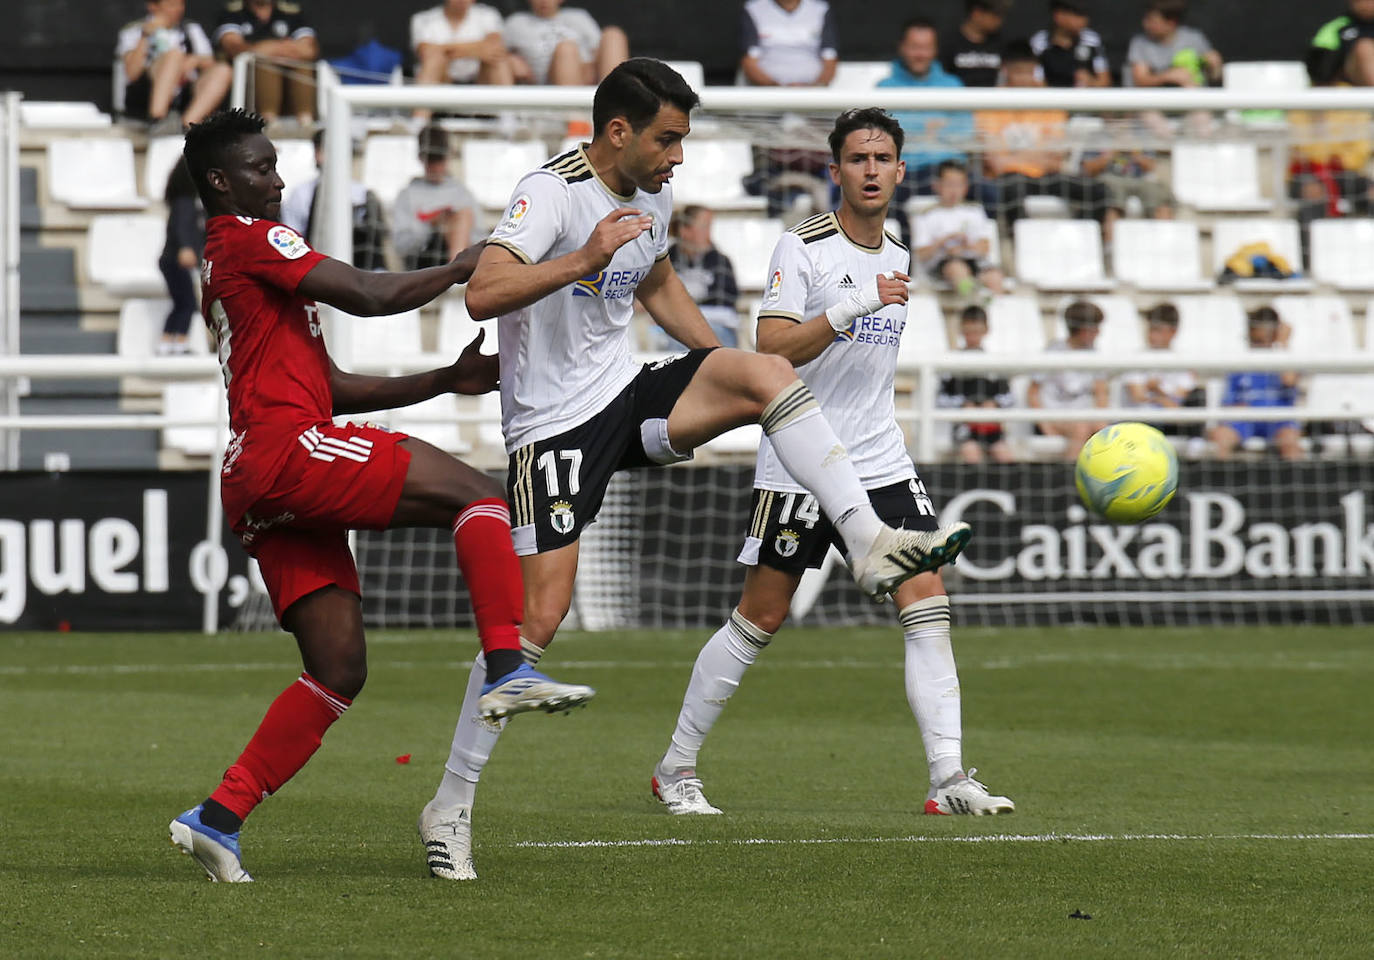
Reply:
x=860, y=74
x=95, y=173
x=712, y=174
x=1265, y=76
x=191, y=401
x=434, y=421
x=1158, y=255
x=691, y=71
x=140, y=328
x=372, y=339
x=1121, y=333
x=295, y=162
x=62, y=115
x=158, y=162
x=489, y=430
x=122, y=250
x=390, y=161
x=1343, y=253
x=1210, y=325
x=492, y=168
x=1230, y=234
x=1320, y=324
x=1014, y=326
x=457, y=328
x=924, y=337
x=749, y=243
x=1218, y=177
x=1060, y=254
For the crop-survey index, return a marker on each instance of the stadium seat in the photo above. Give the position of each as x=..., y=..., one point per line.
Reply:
x=158, y=162
x=93, y=173
x=712, y=174
x=192, y=401
x=1218, y=177
x=1210, y=325
x=140, y=327
x=1320, y=324
x=295, y=162
x=1338, y=395
x=390, y=161
x=1265, y=75
x=62, y=115
x=1060, y=254
x=1229, y=235
x=457, y=328
x=492, y=168
x=122, y=250
x=489, y=429
x=1343, y=253
x=376, y=340
x=691, y=71
x=860, y=74
x=1121, y=333
x=1014, y=325
x=434, y=421
x=748, y=242
x=1157, y=255
x=924, y=336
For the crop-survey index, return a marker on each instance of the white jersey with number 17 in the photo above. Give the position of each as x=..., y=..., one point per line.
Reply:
x=815, y=265
x=564, y=357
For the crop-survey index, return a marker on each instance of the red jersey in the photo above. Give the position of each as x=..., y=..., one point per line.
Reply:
x=271, y=349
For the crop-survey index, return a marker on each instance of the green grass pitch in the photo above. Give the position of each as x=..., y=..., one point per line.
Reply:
x=1203, y=793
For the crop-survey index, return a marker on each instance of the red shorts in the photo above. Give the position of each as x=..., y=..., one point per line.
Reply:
x=335, y=480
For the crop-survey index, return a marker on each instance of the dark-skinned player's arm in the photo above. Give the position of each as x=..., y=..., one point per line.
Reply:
x=504, y=283
x=673, y=308
x=472, y=373
x=364, y=293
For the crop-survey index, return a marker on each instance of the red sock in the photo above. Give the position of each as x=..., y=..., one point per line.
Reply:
x=283, y=742
x=481, y=535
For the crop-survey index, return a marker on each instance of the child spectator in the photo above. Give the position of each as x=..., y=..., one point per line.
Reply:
x=953, y=239
x=180, y=255
x=1168, y=54
x=974, y=52
x=976, y=442
x=788, y=43
x=561, y=45
x=1072, y=389
x=460, y=42
x=707, y=274
x=1125, y=174
x=1070, y=53
x=1166, y=389
x=434, y=213
x=170, y=66
x=1269, y=388
x=273, y=31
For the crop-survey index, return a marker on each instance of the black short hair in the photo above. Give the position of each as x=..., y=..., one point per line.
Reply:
x=208, y=143
x=1174, y=10
x=1162, y=313
x=1263, y=316
x=864, y=118
x=916, y=23
x=999, y=7
x=1018, y=51
x=1082, y=313
x=636, y=90
x=973, y=314
x=955, y=165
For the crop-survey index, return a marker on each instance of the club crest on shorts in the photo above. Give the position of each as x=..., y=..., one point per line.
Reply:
x=786, y=543
x=561, y=516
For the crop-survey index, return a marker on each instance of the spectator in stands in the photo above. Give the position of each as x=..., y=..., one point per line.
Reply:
x=953, y=239
x=181, y=255
x=976, y=442
x=707, y=274
x=974, y=52
x=1025, y=150
x=1343, y=49
x=285, y=49
x=1127, y=174
x=1168, y=54
x=1328, y=156
x=1072, y=389
x=788, y=43
x=1166, y=389
x=1070, y=52
x=434, y=213
x=300, y=210
x=460, y=42
x=169, y=65
x=1268, y=388
x=561, y=45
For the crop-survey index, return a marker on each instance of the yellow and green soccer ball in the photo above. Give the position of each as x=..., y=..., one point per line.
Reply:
x=1127, y=472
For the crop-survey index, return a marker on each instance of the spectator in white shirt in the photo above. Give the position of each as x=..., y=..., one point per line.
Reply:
x=789, y=43
x=563, y=46
x=953, y=239
x=460, y=42
x=1072, y=389
x=168, y=65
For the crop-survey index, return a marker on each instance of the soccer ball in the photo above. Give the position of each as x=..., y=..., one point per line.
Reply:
x=1126, y=472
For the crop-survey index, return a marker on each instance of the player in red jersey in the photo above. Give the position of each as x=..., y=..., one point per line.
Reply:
x=294, y=483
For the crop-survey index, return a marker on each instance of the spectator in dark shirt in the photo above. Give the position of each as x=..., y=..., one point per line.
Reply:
x=180, y=255
x=1268, y=388
x=976, y=442
x=1343, y=49
x=285, y=48
x=1070, y=52
x=974, y=52
x=707, y=274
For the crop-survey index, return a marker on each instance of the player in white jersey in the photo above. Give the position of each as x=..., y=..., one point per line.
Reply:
x=585, y=234
x=849, y=363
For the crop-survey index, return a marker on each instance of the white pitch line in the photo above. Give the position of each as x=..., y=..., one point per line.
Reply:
x=980, y=838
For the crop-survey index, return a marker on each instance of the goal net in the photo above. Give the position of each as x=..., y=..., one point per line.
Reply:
x=1216, y=203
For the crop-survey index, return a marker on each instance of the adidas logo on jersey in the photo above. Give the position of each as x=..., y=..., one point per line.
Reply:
x=848, y=283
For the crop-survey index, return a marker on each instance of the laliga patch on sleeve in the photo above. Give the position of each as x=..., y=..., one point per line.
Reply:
x=516, y=213
x=774, y=287
x=287, y=242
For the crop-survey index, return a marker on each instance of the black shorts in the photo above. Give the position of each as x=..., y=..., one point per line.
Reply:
x=138, y=94
x=963, y=432
x=788, y=531
x=556, y=486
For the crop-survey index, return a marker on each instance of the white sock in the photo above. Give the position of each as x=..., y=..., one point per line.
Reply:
x=932, y=685
x=719, y=668
x=473, y=739
x=807, y=446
